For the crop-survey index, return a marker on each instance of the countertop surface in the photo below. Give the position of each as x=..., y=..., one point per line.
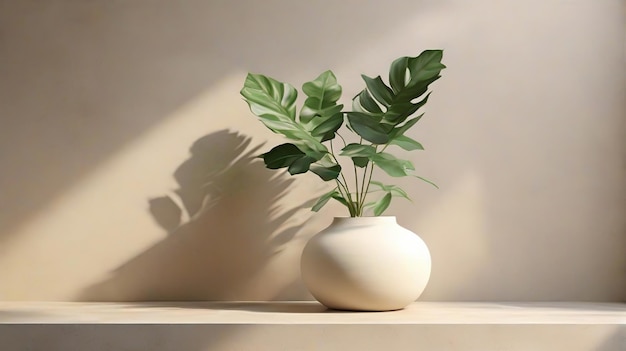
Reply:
x=308, y=312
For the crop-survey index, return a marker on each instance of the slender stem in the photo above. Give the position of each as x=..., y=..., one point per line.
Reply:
x=356, y=185
x=342, y=139
x=353, y=211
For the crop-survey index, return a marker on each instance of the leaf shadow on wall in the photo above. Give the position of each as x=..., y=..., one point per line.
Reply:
x=235, y=227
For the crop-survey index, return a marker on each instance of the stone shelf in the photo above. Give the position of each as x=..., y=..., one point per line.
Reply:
x=259, y=326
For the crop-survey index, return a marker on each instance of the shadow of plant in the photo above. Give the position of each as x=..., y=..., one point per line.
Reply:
x=224, y=222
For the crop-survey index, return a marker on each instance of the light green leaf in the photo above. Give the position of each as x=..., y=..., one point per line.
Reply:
x=324, y=199
x=382, y=204
x=406, y=143
x=391, y=165
x=274, y=103
x=393, y=189
x=427, y=181
x=321, y=114
x=358, y=150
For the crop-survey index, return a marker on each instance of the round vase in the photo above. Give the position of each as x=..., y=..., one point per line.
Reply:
x=365, y=264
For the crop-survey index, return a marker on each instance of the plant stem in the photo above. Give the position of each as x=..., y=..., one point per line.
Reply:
x=348, y=197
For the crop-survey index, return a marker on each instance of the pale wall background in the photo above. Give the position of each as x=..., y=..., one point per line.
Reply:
x=126, y=151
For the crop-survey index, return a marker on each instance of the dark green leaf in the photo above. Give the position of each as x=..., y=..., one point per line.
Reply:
x=365, y=101
x=341, y=200
x=397, y=73
x=329, y=126
x=358, y=150
x=360, y=162
x=379, y=90
x=382, y=204
x=282, y=156
x=406, y=143
x=326, y=173
x=301, y=165
x=368, y=127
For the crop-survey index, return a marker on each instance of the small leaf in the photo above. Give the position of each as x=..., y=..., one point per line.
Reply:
x=406, y=143
x=358, y=150
x=326, y=173
x=361, y=162
x=393, y=189
x=282, y=156
x=368, y=127
x=323, y=200
x=382, y=204
x=427, y=181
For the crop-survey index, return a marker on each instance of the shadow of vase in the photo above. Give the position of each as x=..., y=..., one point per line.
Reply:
x=225, y=224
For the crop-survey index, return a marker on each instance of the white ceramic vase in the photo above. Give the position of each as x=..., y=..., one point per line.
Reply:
x=365, y=264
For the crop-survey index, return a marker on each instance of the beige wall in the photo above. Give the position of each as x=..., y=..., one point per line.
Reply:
x=127, y=153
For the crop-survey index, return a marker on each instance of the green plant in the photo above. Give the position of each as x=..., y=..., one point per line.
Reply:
x=381, y=114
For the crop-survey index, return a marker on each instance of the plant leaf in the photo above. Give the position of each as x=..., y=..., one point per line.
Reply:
x=393, y=189
x=358, y=150
x=406, y=143
x=323, y=200
x=396, y=132
x=274, y=103
x=379, y=90
x=282, y=156
x=382, y=204
x=300, y=165
x=361, y=162
x=368, y=127
x=391, y=165
x=397, y=73
x=326, y=173
x=427, y=181
x=364, y=102
x=326, y=130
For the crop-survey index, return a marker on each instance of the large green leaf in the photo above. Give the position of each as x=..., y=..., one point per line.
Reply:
x=409, y=78
x=321, y=114
x=274, y=103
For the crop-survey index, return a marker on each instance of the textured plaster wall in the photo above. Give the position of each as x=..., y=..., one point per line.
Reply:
x=127, y=156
